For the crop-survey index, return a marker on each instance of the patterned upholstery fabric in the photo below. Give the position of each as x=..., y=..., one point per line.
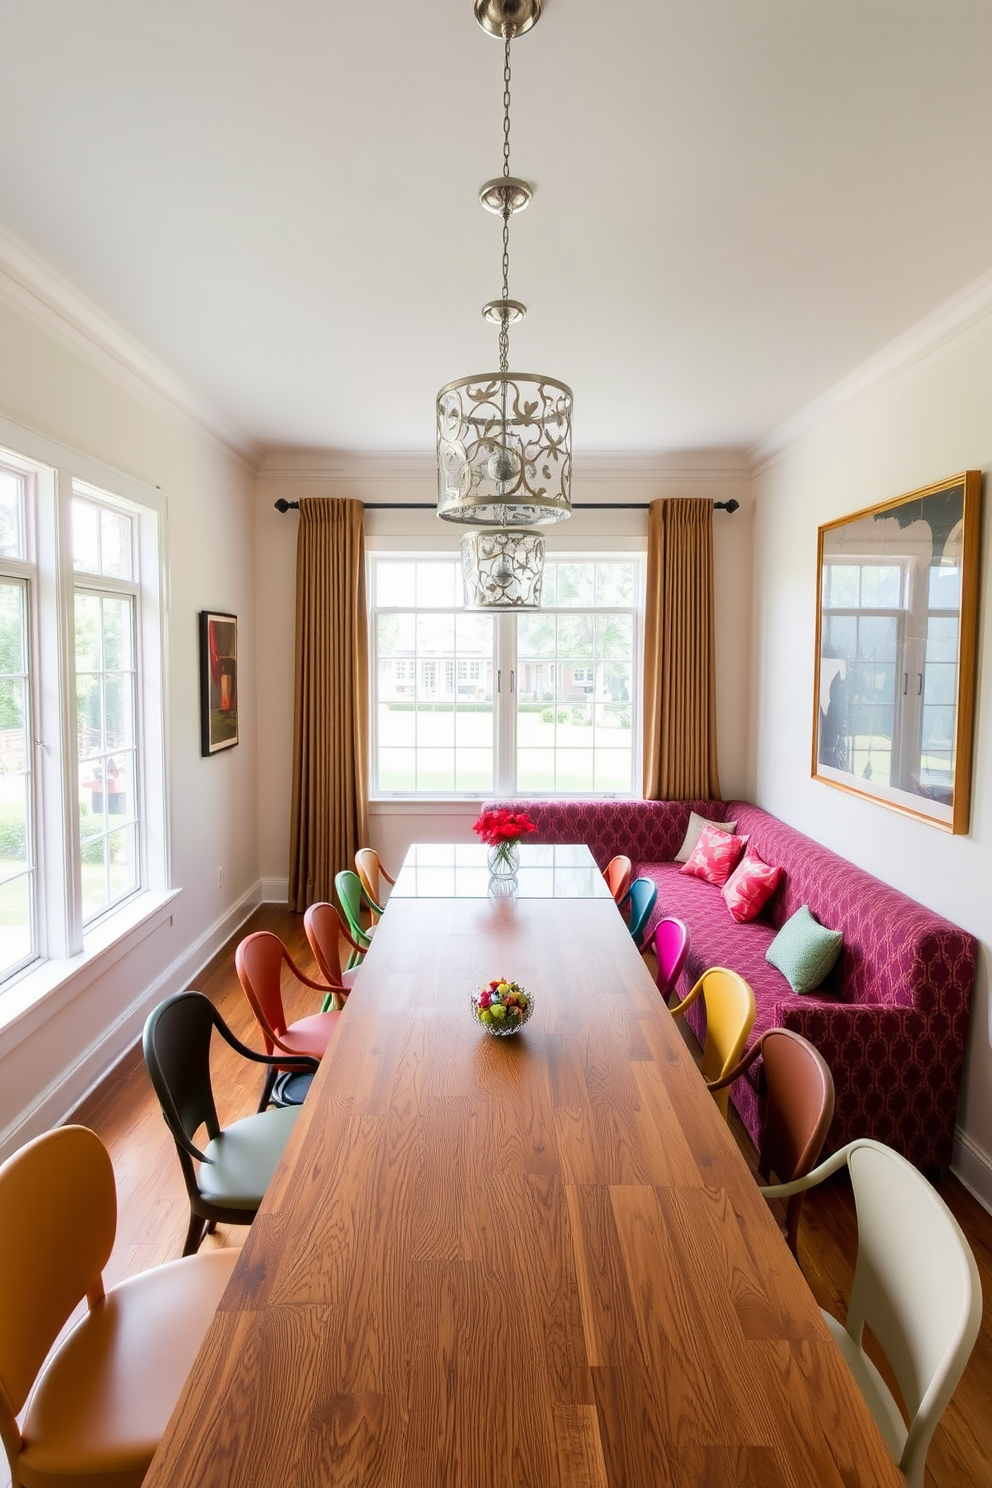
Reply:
x=652, y=830
x=891, y=1022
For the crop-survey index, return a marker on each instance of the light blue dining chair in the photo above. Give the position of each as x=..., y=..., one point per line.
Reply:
x=641, y=897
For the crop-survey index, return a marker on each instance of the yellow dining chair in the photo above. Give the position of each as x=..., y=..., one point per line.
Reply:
x=95, y=1407
x=368, y=868
x=730, y=1013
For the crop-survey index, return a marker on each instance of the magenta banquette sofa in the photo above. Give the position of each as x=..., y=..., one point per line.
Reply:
x=891, y=1019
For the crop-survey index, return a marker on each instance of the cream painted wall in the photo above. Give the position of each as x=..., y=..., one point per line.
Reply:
x=888, y=441
x=393, y=826
x=47, y=1062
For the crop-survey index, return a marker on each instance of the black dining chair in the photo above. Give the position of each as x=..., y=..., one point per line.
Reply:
x=227, y=1179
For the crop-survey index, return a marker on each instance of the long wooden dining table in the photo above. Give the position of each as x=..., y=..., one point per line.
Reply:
x=527, y=1262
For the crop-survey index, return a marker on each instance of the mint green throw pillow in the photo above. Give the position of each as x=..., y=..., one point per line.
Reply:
x=804, y=951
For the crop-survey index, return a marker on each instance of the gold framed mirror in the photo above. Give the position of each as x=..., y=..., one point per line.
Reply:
x=894, y=694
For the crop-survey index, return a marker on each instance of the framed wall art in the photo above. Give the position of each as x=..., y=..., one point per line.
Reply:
x=895, y=655
x=218, y=681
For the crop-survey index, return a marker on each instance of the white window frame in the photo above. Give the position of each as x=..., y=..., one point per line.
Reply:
x=505, y=672
x=56, y=475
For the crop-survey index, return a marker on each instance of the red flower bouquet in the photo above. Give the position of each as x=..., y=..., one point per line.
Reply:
x=501, y=831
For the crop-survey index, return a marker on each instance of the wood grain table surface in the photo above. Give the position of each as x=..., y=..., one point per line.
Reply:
x=538, y=1260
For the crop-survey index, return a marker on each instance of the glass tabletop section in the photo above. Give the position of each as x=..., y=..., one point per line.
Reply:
x=457, y=870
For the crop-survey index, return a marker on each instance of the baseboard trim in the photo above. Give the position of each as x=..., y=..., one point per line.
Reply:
x=973, y=1166
x=93, y=1066
x=275, y=891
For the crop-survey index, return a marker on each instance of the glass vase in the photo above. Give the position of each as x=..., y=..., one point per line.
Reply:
x=504, y=859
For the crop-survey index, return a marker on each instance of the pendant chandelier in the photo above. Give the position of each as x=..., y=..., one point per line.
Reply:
x=504, y=439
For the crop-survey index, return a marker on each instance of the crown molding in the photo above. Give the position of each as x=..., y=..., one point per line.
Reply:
x=963, y=319
x=703, y=467
x=34, y=288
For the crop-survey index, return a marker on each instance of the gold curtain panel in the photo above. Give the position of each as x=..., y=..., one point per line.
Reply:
x=680, y=760
x=329, y=820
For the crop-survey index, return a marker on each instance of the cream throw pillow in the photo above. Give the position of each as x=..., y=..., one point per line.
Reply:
x=692, y=834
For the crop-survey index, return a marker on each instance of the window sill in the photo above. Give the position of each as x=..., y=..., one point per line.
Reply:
x=49, y=985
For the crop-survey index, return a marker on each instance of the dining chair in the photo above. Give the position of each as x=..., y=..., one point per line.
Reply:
x=617, y=874
x=641, y=897
x=670, y=942
x=916, y=1286
x=368, y=867
x=98, y=1404
x=797, y=1098
x=236, y=1164
x=324, y=929
x=730, y=1013
x=258, y=961
x=352, y=895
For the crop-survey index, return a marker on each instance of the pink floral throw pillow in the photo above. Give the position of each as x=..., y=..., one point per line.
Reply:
x=714, y=856
x=749, y=887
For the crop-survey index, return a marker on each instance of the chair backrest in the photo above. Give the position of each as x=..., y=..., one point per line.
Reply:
x=176, y=1044
x=799, y=1105
x=642, y=895
x=730, y=1013
x=58, y=1219
x=671, y=947
x=617, y=874
x=368, y=868
x=322, y=925
x=258, y=962
x=916, y=1286
x=348, y=887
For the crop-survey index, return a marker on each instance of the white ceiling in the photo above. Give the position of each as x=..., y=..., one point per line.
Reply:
x=737, y=201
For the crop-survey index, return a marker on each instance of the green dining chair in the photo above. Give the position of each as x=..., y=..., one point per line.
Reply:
x=352, y=894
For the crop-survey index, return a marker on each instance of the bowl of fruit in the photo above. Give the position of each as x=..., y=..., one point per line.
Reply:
x=502, y=1007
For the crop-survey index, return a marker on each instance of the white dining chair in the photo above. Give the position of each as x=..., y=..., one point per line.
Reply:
x=917, y=1288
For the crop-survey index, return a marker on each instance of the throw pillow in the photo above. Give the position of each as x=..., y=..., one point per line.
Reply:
x=804, y=951
x=692, y=831
x=749, y=887
x=715, y=855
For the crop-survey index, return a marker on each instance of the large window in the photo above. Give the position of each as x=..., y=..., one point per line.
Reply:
x=469, y=703
x=80, y=687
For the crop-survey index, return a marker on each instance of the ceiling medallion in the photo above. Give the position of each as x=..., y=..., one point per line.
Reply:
x=504, y=439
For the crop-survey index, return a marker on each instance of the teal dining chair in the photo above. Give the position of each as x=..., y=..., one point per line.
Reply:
x=351, y=892
x=641, y=897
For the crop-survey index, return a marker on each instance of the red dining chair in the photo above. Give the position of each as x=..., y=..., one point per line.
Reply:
x=670, y=941
x=259, y=960
x=617, y=874
x=797, y=1091
x=324, y=928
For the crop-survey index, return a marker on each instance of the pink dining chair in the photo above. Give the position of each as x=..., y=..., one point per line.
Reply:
x=671, y=946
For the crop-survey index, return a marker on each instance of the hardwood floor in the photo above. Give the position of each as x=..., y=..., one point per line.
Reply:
x=153, y=1212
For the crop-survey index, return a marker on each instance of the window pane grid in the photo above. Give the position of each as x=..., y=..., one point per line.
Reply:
x=106, y=749
x=567, y=693
x=17, y=874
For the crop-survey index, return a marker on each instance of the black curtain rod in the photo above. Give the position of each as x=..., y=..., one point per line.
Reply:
x=727, y=506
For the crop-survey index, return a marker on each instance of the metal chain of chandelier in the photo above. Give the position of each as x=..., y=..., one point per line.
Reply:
x=504, y=439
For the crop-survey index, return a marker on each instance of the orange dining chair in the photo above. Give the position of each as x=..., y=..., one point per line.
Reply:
x=618, y=873
x=797, y=1093
x=324, y=928
x=368, y=868
x=730, y=1013
x=98, y=1404
x=259, y=961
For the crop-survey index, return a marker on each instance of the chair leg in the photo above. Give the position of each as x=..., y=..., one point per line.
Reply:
x=270, y=1080
x=195, y=1233
x=211, y=1226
